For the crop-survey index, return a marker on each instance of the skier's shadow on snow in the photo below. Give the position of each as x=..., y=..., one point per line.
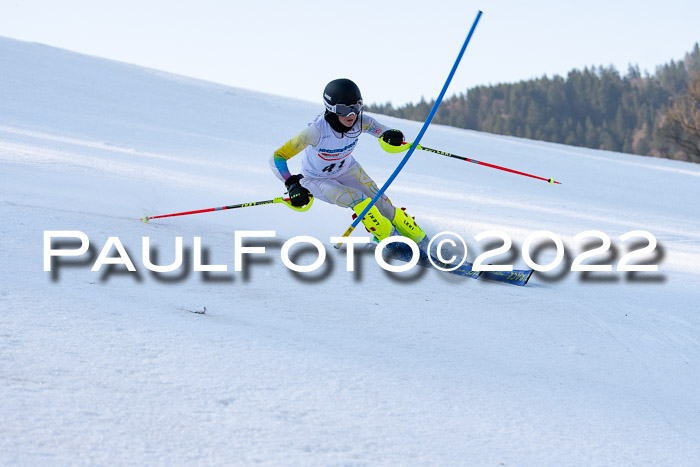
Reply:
x=407, y=277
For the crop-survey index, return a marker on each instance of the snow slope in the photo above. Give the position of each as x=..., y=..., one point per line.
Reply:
x=329, y=367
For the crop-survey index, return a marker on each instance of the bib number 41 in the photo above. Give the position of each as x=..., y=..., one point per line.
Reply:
x=330, y=167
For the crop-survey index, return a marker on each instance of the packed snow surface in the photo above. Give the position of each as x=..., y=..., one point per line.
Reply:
x=330, y=366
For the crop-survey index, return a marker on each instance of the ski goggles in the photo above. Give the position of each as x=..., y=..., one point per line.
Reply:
x=344, y=110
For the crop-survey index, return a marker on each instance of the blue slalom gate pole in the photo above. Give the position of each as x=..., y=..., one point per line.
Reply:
x=414, y=145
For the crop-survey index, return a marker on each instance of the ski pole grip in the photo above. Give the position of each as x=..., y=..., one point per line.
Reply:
x=288, y=203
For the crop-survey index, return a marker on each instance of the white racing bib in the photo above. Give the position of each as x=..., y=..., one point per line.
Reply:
x=332, y=155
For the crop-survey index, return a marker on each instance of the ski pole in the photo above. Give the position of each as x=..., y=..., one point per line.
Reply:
x=234, y=206
x=405, y=146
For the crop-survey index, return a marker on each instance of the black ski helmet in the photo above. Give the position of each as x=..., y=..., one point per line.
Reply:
x=341, y=91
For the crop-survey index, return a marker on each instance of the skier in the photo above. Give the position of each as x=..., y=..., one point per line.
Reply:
x=330, y=173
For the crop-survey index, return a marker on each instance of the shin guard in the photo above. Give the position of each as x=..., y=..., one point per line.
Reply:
x=374, y=222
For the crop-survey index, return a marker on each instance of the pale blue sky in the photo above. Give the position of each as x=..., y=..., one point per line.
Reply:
x=396, y=50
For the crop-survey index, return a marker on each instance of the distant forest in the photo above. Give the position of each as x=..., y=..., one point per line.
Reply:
x=656, y=115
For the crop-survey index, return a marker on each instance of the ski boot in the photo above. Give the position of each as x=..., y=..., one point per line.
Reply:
x=376, y=224
x=407, y=226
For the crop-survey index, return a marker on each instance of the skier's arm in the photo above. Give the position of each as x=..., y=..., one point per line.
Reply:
x=376, y=129
x=278, y=161
x=372, y=126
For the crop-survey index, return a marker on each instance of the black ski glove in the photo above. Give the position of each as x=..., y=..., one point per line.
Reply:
x=393, y=137
x=298, y=195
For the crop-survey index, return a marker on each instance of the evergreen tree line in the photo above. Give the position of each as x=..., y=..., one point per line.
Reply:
x=595, y=108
